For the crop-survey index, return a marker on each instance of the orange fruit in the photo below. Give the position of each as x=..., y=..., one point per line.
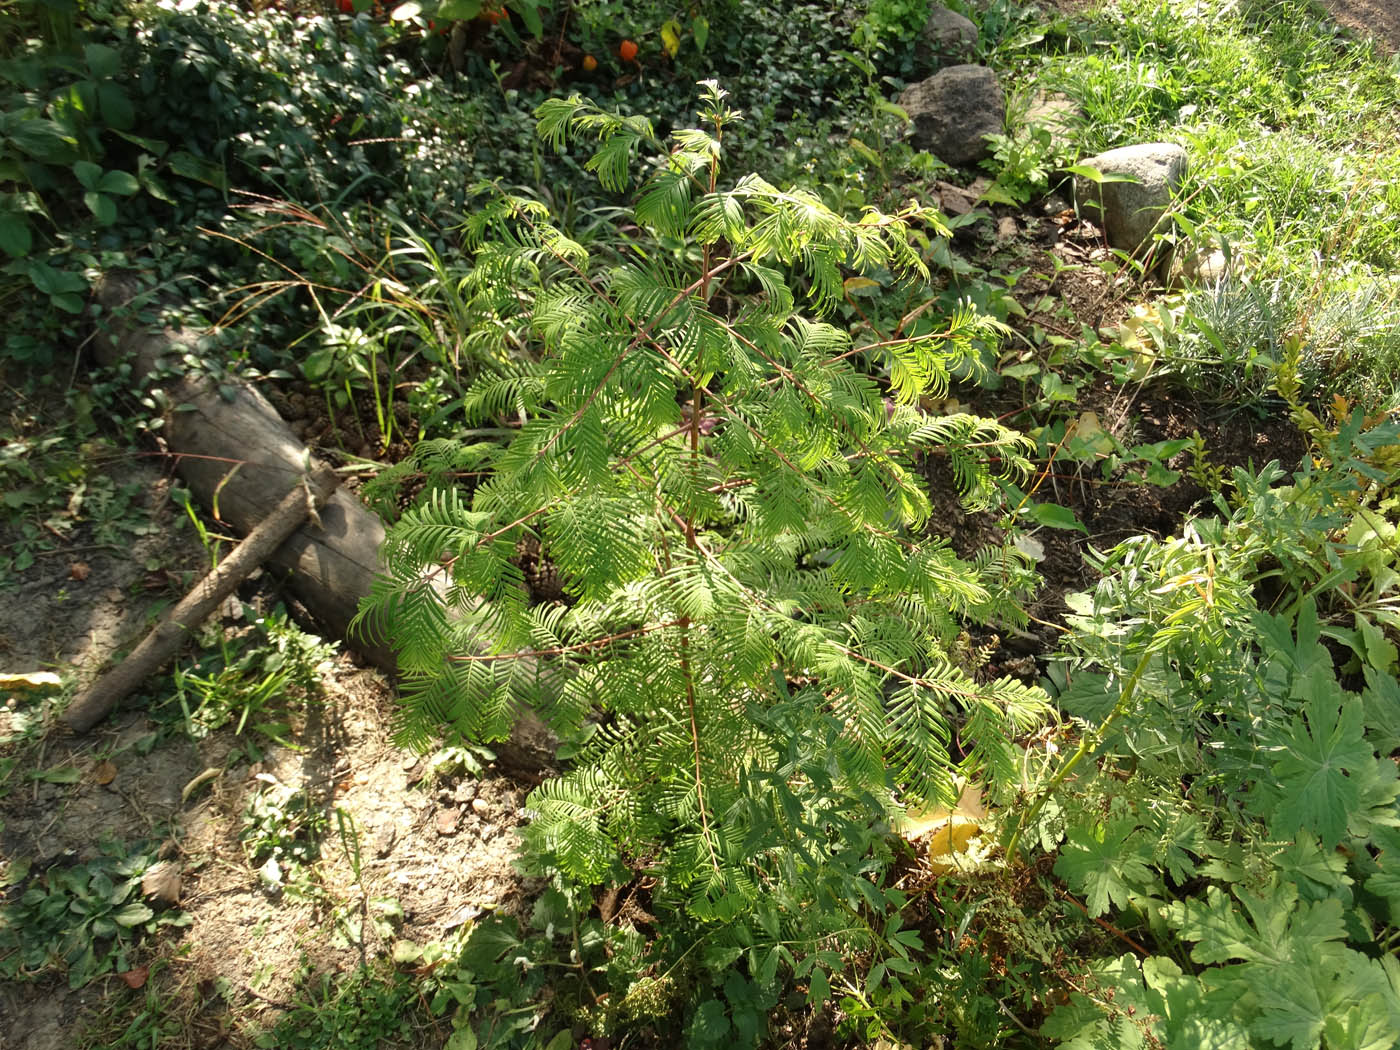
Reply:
x=493, y=14
x=589, y=63
x=627, y=50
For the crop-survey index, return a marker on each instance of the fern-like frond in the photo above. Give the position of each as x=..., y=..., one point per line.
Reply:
x=752, y=647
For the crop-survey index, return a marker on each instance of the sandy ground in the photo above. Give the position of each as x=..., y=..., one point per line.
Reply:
x=1378, y=18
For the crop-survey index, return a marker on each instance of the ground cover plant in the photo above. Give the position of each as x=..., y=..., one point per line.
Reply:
x=953, y=637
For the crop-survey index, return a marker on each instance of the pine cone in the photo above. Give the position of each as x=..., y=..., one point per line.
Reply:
x=542, y=577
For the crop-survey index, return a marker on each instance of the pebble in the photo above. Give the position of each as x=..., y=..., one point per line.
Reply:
x=446, y=822
x=480, y=807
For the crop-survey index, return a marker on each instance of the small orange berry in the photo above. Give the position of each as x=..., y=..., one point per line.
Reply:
x=493, y=15
x=627, y=50
x=589, y=63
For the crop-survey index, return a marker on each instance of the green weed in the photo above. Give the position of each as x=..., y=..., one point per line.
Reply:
x=366, y=1009
x=81, y=920
x=257, y=683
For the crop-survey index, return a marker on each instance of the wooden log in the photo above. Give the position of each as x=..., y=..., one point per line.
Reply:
x=165, y=639
x=232, y=448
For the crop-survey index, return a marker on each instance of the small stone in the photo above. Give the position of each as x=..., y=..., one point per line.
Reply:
x=384, y=841
x=954, y=200
x=1054, y=205
x=480, y=807
x=465, y=792
x=1204, y=268
x=1007, y=228
x=270, y=874
x=446, y=821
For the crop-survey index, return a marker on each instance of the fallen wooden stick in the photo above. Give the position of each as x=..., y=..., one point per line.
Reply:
x=95, y=702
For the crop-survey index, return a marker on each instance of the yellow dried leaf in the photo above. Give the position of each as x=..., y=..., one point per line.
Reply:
x=920, y=822
x=671, y=37
x=948, y=840
x=1087, y=429
x=35, y=680
x=942, y=406
x=1086, y=426
x=1133, y=335
x=948, y=831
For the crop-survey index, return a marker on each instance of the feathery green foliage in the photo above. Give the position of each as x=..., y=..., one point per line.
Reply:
x=726, y=485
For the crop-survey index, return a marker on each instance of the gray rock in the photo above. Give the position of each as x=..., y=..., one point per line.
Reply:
x=946, y=39
x=1201, y=268
x=1130, y=212
x=1057, y=115
x=954, y=200
x=954, y=111
x=959, y=200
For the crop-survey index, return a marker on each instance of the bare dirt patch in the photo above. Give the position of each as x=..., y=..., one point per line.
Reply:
x=1378, y=19
x=434, y=852
x=399, y=849
x=93, y=592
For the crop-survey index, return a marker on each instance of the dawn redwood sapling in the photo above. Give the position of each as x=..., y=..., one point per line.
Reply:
x=754, y=657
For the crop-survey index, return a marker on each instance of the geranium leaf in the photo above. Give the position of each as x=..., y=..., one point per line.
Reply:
x=1317, y=767
x=1107, y=863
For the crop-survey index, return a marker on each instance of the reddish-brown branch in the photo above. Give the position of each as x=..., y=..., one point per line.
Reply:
x=1107, y=926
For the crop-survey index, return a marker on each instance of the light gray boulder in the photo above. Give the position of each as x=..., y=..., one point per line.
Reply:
x=947, y=38
x=1130, y=212
x=954, y=111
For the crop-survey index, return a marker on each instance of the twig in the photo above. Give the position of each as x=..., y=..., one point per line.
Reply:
x=94, y=703
x=1106, y=925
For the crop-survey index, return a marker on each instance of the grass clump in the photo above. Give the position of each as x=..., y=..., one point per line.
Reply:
x=1303, y=199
